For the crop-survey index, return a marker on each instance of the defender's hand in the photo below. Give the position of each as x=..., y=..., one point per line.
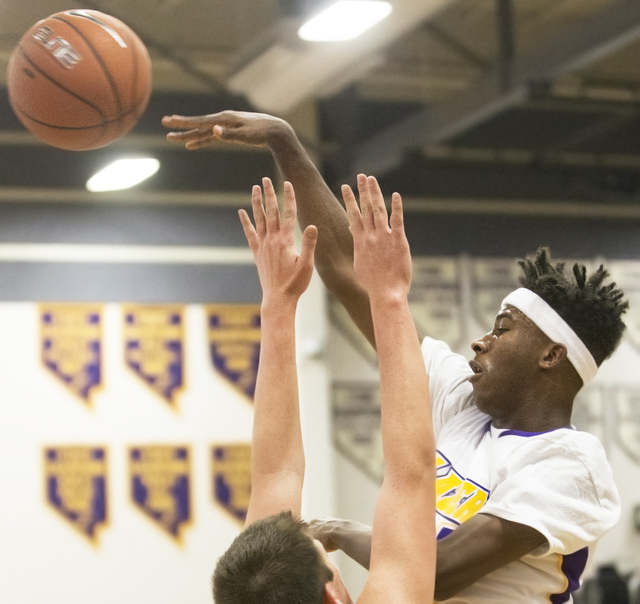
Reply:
x=325, y=530
x=256, y=129
x=352, y=538
x=284, y=275
x=382, y=261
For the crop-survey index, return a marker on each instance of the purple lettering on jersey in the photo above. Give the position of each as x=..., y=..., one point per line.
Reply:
x=572, y=568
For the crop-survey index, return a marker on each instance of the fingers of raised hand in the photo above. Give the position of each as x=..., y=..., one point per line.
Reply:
x=366, y=209
x=353, y=212
x=184, y=122
x=271, y=206
x=308, y=246
x=288, y=221
x=378, y=209
x=258, y=210
x=200, y=130
x=249, y=230
x=397, y=219
x=193, y=139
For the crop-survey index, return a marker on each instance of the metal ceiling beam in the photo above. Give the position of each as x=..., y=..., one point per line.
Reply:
x=277, y=71
x=166, y=51
x=596, y=38
x=452, y=43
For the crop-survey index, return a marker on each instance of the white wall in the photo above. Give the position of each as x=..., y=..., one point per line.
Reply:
x=132, y=558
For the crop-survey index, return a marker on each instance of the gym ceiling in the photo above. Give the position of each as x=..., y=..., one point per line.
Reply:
x=464, y=103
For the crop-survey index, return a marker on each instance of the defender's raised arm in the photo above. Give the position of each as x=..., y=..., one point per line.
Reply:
x=403, y=550
x=277, y=456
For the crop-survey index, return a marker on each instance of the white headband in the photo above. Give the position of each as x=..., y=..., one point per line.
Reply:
x=554, y=326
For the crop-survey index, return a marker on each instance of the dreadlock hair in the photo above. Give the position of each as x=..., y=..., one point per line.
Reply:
x=591, y=309
x=274, y=561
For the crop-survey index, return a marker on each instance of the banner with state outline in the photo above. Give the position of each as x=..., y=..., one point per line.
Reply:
x=154, y=347
x=71, y=346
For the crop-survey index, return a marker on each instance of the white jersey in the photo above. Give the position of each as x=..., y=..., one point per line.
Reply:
x=557, y=482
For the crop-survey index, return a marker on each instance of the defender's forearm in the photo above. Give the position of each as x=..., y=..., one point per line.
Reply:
x=407, y=431
x=277, y=436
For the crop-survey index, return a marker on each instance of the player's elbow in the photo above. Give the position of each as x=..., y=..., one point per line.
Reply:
x=416, y=466
x=411, y=481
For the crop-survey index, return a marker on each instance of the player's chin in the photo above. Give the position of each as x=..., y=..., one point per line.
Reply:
x=481, y=397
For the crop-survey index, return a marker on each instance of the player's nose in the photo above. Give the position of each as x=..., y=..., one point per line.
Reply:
x=481, y=344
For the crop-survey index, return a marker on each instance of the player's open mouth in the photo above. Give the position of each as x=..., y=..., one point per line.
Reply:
x=477, y=371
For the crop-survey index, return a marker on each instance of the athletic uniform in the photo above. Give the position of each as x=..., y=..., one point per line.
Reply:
x=557, y=482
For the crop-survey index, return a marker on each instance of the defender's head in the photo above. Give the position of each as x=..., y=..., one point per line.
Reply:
x=273, y=561
x=552, y=334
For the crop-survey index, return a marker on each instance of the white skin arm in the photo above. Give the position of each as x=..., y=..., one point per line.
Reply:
x=277, y=455
x=403, y=548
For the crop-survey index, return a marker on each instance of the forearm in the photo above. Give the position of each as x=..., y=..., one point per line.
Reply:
x=277, y=436
x=406, y=407
x=317, y=205
x=479, y=546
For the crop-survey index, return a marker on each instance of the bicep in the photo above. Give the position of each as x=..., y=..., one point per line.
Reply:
x=479, y=546
x=273, y=494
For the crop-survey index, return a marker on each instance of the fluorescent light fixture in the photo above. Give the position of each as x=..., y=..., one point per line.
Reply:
x=123, y=174
x=344, y=20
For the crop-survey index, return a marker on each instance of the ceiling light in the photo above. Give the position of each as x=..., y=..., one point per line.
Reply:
x=344, y=20
x=123, y=174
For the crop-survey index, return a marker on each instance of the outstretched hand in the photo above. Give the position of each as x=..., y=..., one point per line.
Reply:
x=382, y=261
x=284, y=274
x=257, y=129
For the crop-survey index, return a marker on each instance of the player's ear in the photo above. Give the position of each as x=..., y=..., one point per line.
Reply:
x=553, y=355
x=329, y=596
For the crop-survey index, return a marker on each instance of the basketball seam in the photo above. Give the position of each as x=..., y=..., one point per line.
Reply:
x=131, y=43
x=48, y=77
x=134, y=78
x=100, y=125
x=105, y=69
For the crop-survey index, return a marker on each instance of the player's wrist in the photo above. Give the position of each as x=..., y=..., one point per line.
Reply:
x=396, y=297
x=278, y=304
x=282, y=140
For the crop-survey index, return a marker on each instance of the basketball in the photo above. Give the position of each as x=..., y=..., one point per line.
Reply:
x=79, y=79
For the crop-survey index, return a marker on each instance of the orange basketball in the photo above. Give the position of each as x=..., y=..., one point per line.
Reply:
x=79, y=79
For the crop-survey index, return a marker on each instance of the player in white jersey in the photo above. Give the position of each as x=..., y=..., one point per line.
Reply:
x=521, y=496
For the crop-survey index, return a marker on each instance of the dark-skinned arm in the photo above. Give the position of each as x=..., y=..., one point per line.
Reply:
x=479, y=546
x=316, y=203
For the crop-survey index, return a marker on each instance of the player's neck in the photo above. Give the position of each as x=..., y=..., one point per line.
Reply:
x=537, y=415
